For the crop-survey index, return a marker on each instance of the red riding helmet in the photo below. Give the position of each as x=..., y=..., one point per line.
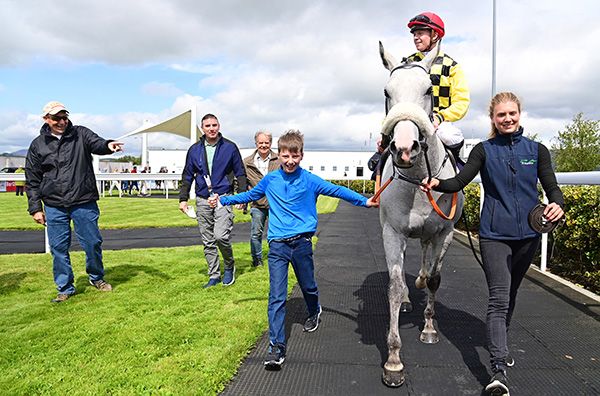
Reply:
x=427, y=20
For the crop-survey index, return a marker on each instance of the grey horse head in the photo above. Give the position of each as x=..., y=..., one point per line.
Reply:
x=408, y=99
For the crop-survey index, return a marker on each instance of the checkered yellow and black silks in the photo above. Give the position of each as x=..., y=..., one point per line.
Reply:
x=440, y=79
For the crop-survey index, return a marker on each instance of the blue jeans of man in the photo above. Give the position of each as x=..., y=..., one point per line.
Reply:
x=85, y=222
x=257, y=230
x=505, y=263
x=299, y=252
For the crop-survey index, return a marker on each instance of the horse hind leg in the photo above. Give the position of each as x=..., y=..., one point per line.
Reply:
x=421, y=281
x=439, y=246
x=429, y=335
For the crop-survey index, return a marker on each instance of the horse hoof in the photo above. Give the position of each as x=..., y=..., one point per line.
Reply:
x=393, y=379
x=406, y=307
x=429, y=338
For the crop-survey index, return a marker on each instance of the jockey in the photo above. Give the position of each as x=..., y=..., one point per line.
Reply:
x=449, y=86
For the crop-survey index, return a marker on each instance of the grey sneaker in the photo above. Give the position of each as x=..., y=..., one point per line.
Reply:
x=101, y=285
x=498, y=385
x=312, y=323
x=60, y=298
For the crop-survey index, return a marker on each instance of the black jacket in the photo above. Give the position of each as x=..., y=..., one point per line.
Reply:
x=60, y=172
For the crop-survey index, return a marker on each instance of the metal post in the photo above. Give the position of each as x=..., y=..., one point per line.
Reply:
x=46, y=240
x=493, y=48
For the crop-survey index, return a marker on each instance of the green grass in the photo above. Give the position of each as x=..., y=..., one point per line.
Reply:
x=125, y=213
x=158, y=332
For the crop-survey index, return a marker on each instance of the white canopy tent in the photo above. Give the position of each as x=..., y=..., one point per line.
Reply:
x=183, y=124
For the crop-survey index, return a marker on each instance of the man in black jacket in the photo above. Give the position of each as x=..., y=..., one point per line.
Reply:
x=59, y=173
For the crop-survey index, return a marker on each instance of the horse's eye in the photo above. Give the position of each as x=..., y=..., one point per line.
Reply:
x=429, y=91
x=386, y=94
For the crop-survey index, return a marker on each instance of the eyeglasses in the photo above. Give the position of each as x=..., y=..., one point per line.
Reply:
x=58, y=118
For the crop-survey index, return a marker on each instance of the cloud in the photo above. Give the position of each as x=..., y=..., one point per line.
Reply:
x=309, y=65
x=161, y=89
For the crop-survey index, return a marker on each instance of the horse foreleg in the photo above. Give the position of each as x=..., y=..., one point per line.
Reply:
x=393, y=369
x=395, y=246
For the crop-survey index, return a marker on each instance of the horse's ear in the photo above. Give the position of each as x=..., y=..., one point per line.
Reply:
x=427, y=62
x=389, y=62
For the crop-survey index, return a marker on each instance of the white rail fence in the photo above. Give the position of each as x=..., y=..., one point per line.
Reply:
x=171, y=180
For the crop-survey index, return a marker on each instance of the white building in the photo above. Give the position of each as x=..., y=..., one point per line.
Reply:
x=468, y=146
x=331, y=165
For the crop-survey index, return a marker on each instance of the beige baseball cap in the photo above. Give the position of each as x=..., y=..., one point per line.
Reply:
x=53, y=108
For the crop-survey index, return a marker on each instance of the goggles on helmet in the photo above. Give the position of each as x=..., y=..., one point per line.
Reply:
x=424, y=19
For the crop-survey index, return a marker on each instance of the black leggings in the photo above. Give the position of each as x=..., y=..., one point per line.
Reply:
x=505, y=264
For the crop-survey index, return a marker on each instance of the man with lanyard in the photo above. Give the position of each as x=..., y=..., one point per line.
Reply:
x=449, y=86
x=212, y=162
x=262, y=161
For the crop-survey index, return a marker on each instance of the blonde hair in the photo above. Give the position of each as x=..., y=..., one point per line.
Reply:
x=291, y=140
x=501, y=97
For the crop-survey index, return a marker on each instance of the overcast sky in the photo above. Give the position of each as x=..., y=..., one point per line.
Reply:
x=309, y=65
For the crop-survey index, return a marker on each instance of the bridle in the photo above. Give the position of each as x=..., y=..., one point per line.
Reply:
x=397, y=173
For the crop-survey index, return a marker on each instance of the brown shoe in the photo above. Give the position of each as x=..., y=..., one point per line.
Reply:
x=101, y=285
x=60, y=298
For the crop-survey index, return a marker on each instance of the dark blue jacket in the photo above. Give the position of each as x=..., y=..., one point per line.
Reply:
x=509, y=176
x=227, y=165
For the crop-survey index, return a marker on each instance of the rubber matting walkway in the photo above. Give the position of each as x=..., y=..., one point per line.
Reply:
x=554, y=338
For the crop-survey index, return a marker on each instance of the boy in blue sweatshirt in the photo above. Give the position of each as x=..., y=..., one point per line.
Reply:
x=292, y=193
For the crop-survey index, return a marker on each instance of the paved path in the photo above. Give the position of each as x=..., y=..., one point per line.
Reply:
x=33, y=241
x=555, y=337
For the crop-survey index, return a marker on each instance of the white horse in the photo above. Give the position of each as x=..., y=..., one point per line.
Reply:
x=405, y=211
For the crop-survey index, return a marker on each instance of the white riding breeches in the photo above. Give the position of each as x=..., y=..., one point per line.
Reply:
x=449, y=134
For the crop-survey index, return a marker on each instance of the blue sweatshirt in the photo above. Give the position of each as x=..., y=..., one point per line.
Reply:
x=293, y=200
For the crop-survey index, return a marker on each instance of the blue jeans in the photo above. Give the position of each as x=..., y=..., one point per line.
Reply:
x=85, y=221
x=259, y=217
x=505, y=263
x=300, y=254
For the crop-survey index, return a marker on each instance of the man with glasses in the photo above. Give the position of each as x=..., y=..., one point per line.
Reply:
x=61, y=187
x=449, y=86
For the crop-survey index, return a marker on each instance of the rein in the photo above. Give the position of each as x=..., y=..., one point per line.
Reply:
x=397, y=174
